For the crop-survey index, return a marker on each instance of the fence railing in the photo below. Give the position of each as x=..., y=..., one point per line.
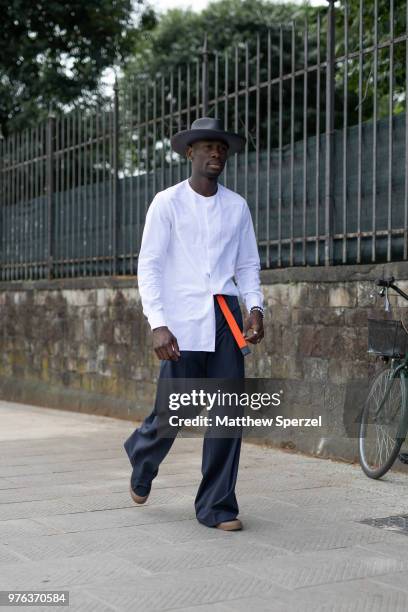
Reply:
x=323, y=108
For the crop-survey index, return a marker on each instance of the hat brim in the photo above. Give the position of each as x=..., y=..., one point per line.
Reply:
x=184, y=138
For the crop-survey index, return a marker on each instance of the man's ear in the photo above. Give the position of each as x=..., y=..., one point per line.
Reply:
x=189, y=152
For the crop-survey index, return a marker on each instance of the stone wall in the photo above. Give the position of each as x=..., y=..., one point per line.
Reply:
x=84, y=344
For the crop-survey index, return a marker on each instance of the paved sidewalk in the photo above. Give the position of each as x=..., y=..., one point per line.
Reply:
x=67, y=522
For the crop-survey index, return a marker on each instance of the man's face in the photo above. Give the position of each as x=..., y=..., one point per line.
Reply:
x=208, y=157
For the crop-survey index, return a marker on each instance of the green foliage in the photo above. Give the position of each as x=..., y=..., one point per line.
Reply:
x=178, y=38
x=362, y=20
x=179, y=34
x=53, y=53
x=233, y=28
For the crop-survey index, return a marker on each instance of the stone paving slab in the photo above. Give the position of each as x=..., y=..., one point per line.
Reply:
x=75, y=544
x=324, y=567
x=362, y=595
x=186, y=556
x=23, y=527
x=193, y=588
x=67, y=522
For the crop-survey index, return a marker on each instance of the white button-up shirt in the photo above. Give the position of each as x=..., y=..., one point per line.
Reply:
x=192, y=248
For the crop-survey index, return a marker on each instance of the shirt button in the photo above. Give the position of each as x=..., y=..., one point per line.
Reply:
x=209, y=275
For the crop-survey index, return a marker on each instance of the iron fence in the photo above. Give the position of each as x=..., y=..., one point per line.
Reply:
x=322, y=106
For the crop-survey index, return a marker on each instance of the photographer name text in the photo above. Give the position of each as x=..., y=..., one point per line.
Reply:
x=244, y=421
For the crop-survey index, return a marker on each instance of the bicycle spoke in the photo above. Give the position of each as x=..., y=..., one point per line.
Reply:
x=383, y=413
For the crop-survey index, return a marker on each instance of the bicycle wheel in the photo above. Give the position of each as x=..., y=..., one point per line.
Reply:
x=382, y=434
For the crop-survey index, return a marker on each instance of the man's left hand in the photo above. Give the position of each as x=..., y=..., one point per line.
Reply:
x=253, y=327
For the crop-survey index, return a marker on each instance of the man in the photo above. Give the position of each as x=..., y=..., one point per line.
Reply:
x=198, y=236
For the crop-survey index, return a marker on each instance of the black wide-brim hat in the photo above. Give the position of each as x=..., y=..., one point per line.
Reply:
x=206, y=128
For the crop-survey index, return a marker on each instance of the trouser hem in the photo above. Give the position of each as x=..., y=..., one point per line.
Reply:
x=214, y=521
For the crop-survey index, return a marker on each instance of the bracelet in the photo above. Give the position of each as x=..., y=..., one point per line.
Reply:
x=258, y=308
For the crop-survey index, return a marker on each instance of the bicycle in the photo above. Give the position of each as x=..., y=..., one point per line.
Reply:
x=384, y=417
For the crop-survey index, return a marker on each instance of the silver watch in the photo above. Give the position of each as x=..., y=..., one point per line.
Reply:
x=257, y=308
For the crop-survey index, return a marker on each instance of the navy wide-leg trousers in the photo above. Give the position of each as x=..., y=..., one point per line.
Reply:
x=215, y=501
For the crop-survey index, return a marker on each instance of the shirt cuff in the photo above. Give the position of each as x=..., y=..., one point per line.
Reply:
x=253, y=299
x=157, y=319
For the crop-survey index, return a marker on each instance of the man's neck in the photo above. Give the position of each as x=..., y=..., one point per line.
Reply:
x=204, y=186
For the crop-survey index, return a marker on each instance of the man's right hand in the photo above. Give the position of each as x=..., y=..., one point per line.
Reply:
x=165, y=344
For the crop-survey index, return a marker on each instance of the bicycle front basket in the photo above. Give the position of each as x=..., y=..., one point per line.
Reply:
x=387, y=338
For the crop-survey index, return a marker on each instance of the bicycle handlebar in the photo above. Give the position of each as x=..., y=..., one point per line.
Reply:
x=389, y=282
x=385, y=282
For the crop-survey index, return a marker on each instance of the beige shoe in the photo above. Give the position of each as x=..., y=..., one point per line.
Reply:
x=138, y=499
x=234, y=525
